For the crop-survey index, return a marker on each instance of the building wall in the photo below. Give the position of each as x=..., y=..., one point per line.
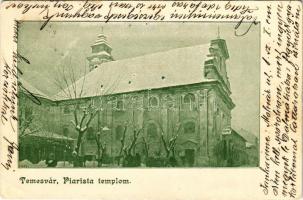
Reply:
x=43, y=114
x=200, y=109
x=203, y=110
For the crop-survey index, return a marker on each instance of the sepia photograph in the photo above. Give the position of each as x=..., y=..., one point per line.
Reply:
x=142, y=95
x=151, y=100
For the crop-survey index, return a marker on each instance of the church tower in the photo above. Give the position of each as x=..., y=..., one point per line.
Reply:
x=101, y=52
x=215, y=68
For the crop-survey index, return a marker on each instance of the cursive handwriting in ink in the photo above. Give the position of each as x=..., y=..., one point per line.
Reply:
x=238, y=25
x=11, y=148
x=243, y=10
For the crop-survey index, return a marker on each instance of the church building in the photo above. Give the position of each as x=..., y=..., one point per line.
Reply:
x=183, y=91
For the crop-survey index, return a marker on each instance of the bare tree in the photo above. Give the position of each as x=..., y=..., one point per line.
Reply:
x=101, y=149
x=26, y=124
x=146, y=147
x=146, y=151
x=72, y=89
x=169, y=145
x=122, y=140
x=126, y=151
x=81, y=124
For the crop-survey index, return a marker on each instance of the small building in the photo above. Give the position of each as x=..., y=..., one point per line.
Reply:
x=234, y=148
x=38, y=146
x=252, y=147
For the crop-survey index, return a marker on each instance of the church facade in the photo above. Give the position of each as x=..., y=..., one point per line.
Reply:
x=183, y=91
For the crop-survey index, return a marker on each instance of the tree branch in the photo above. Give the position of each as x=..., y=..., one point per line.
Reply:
x=65, y=80
x=85, y=113
x=145, y=146
x=123, y=140
x=136, y=134
x=76, y=114
x=163, y=140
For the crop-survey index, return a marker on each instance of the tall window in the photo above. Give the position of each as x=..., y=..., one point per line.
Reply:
x=189, y=101
x=189, y=128
x=65, y=131
x=119, y=132
x=153, y=101
x=90, y=133
x=120, y=105
x=66, y=110
x=189, y=98
x=223, y=119
x=224, y=149
x=169, y=101
x=134, y=100
x=152, y=130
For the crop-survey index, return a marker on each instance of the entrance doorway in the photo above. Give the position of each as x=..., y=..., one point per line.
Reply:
x=189, y=157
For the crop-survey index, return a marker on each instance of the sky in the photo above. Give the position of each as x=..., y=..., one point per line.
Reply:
x=68, y=43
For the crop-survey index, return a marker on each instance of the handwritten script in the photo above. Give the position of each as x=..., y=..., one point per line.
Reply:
x=280, y=98
x=143, y=11
x=11, y=148
x=10, y=74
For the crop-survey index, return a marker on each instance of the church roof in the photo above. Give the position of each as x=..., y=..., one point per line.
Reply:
x=248, y=136
x=180, y=66
x=31, y=88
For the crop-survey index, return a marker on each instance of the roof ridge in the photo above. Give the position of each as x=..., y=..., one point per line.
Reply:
x=112, y=65
x=158, y=52
x=32, y=88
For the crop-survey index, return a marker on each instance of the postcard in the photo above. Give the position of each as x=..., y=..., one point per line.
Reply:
x=151, y=100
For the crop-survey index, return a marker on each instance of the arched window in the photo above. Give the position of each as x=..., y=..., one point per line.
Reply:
x=189, y=98
x=66, y=110
x=119, y=132
x=169, y=101
x=120, y=105
x=65, y=131
x=189, y=128
x=152, y=130
x=189, y=101
x=134, y=99
x=153, y=101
